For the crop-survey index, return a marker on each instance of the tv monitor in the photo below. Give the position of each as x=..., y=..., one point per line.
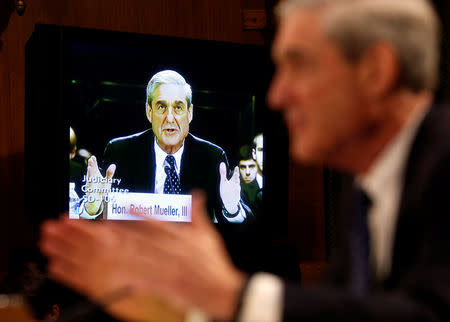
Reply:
x=93, y=84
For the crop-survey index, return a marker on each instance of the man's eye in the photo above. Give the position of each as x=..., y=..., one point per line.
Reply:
x=160, y=107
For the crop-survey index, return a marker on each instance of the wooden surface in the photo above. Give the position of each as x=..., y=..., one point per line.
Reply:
x=201, y=19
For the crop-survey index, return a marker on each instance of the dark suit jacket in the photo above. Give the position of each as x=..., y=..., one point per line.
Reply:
x=251, y=195
x=418, y=287
x=134, y=157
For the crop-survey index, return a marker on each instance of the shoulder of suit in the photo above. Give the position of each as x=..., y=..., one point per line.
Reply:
x=132, y=138
x=430, y=152
x=201, y=143
x=434, y=131
x=439, y=119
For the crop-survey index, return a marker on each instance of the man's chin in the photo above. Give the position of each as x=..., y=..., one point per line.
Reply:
x=303, y=154
x=173, y=139
x=170, y=146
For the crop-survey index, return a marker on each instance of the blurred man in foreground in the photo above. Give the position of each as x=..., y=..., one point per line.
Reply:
x=354, y=80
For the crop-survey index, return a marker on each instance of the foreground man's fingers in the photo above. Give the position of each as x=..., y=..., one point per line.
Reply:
x=89, y=258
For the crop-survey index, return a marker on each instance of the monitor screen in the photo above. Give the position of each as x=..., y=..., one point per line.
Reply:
x=138, y=149
x=149, y=119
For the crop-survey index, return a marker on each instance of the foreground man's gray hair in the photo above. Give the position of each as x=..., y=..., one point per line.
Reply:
x=410, y=26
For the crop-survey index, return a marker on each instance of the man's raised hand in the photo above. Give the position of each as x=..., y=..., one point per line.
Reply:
x=230, y=190
x=96, y=188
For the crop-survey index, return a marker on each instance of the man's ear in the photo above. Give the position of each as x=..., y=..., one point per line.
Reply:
x=254, y=153
x=379, y=70
x=191, y=112
x=149, y=112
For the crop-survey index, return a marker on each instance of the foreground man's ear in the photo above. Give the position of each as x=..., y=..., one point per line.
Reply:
x=379, y=70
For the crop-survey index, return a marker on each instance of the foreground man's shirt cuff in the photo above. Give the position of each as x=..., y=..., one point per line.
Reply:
x=263, y=299
x=194, y=315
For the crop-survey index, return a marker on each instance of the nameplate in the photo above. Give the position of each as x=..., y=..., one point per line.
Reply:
x=164, y=207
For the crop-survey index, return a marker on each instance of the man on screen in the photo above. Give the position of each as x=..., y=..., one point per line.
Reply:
x=168, y=159
x=251, y=193
x=258, y=156
x=247, y=169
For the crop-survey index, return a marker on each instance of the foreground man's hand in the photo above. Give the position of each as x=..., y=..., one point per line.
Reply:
x=185, y=265
x=82, y=256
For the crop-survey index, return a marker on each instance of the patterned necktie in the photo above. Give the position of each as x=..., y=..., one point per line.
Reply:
x=172, y=183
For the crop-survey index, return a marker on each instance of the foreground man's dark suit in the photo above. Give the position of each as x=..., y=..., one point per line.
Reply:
x=418, y=288
x=134, y=157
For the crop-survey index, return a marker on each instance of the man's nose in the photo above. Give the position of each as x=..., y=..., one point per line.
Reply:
x=170, y=117
x=278, y=92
